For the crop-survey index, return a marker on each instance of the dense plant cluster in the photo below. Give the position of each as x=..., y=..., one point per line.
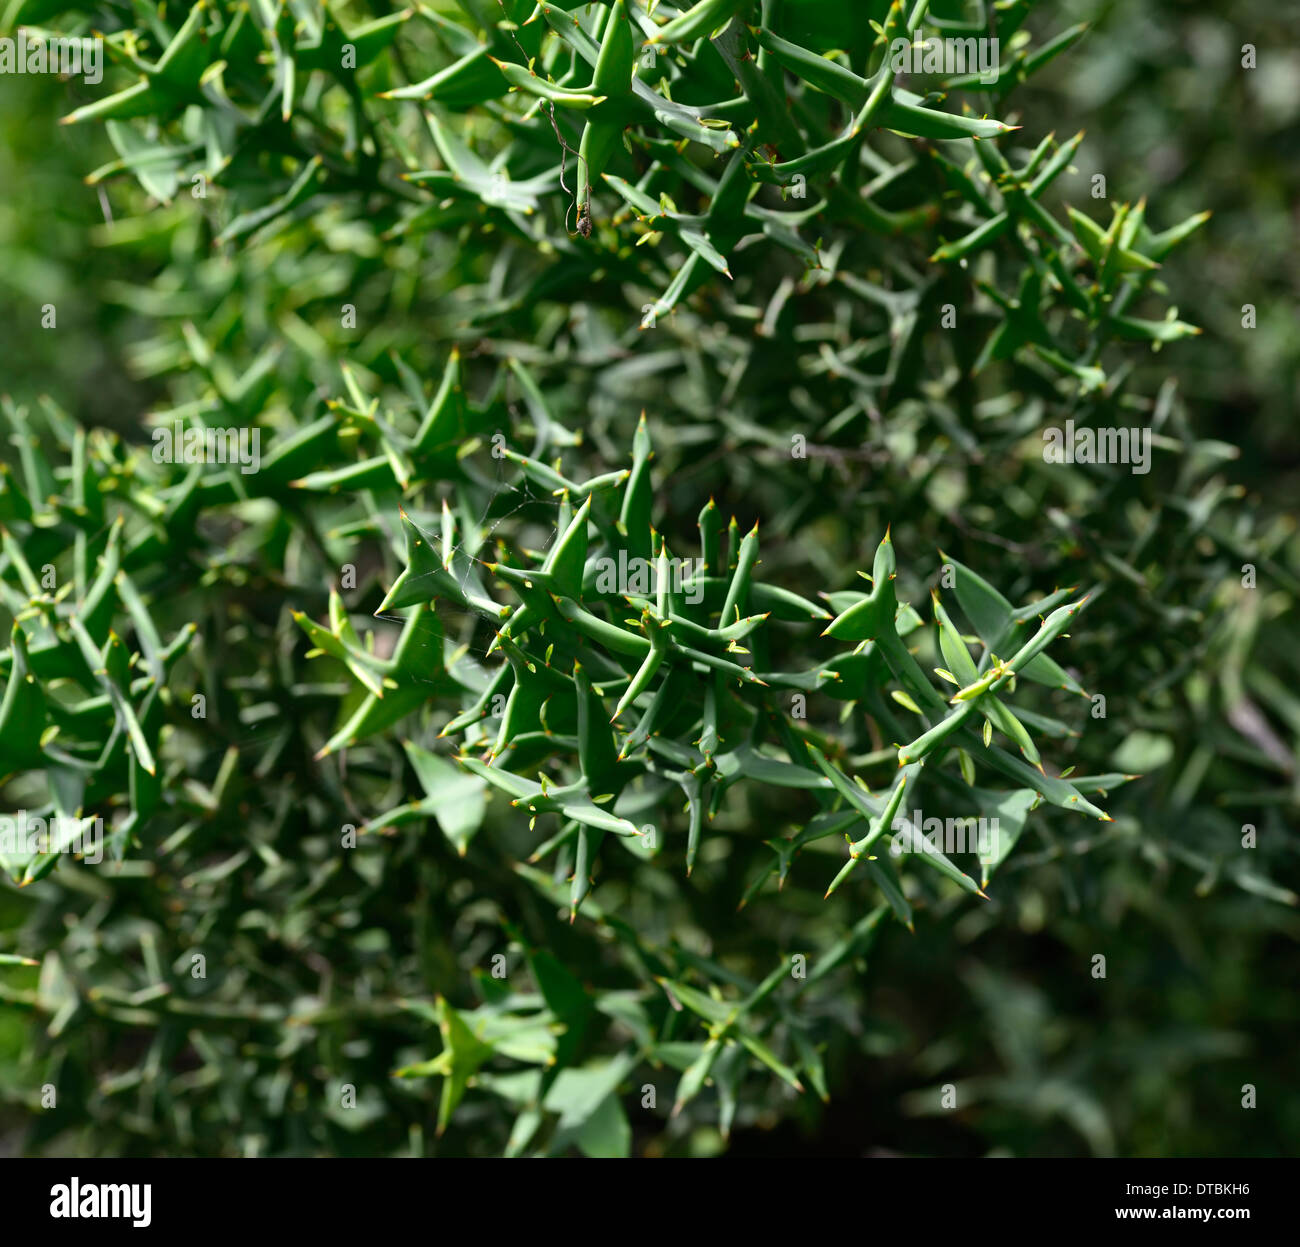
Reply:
x=472, y=750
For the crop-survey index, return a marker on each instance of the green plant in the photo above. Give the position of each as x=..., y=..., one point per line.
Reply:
x=843, y=306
